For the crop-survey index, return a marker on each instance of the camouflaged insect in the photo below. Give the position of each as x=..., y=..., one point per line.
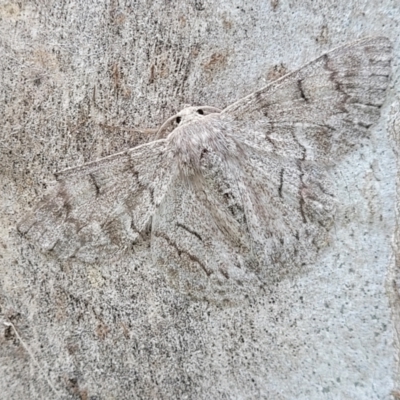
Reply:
x=227, y=197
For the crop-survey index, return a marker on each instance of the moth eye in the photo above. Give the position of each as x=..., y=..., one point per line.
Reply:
x=178, y=120
x=200, y=111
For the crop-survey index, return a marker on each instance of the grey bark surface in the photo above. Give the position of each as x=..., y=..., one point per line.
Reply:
x=80, y=81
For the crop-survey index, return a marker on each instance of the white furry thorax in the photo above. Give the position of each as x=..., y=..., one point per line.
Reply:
x=198, y=136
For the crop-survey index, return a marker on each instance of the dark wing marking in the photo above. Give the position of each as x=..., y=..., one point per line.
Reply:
x=104, y=206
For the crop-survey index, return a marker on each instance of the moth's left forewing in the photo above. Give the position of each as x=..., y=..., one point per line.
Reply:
x=102, y=207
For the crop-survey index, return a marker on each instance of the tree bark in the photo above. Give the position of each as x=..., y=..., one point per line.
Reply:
x=82, y=80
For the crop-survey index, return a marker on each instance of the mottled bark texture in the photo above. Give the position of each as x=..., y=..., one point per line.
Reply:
x=133, y=301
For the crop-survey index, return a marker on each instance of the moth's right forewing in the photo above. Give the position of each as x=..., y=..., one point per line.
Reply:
x=321, y=110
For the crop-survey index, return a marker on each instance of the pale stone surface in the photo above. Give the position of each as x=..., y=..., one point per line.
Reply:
x=76, y=80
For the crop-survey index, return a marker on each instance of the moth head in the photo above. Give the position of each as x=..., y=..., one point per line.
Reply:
x=187, y=115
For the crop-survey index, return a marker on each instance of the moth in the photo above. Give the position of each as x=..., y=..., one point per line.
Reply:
x=226, y=197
